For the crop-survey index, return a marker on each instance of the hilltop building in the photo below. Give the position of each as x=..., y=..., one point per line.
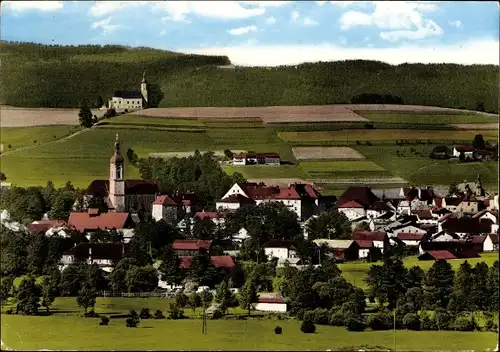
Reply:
x=121, y=194
x=130, y=100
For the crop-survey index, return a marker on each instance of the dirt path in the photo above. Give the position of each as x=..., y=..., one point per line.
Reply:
x=39, y=145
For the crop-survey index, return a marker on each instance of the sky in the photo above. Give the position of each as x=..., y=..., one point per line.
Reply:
x=270, y=33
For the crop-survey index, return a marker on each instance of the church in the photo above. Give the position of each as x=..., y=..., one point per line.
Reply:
x=121, y=194
x=130, y=100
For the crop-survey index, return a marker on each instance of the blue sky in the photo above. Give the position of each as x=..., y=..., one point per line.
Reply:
x=270, y=32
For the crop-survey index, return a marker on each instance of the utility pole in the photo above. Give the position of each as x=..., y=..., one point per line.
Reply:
x=394, y=328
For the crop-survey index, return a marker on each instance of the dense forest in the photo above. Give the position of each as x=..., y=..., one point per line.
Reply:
x=35, y=75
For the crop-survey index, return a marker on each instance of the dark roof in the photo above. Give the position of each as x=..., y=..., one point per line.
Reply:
x=279, y=244
x=478, y=239
x=363, y=244
x=379, y=206
x=410, y=236
x=437, y=255
x=453, y=201
x=222, y=261
x=369, y=236
x=191, y=244
x=464, y=148
x=424, y=214
x=127, y=94
x=211, y=215
x=186, y=199
x=466, y=225
x=271, y=300
x=494, y=237
x=237, y=198
x=100, y=188
x=361, y=195
x=425, y=194
x=113, y=251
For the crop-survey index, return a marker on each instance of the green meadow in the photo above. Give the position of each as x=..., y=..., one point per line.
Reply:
x=437, y=118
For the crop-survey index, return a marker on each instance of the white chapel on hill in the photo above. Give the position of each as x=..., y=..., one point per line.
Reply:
x=130, y=100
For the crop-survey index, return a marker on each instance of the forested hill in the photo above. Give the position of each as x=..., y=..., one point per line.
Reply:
x=62, y=76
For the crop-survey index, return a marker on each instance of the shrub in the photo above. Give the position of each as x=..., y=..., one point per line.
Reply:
x=464, y=323
x=217, y=314
x=427, y=323
x=308, y=327
x=278, y=330
x=443, y=319
x=132, y=313
x=144, y=314
x=336, y=319
x=308, y=315
x=355, y=323
x=104, y=320
x=411, y=321
x=175, y=313
x=91, y=314
x=380, y=321
x=300, y=313
x=131, y=322
x=320, y=316
x=181, y=300
x=9, y=311
x=159, y=314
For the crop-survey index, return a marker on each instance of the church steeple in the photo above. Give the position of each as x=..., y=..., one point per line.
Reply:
x=117, y=157
x=116, y=178
x=144, y=77
x=144, y=90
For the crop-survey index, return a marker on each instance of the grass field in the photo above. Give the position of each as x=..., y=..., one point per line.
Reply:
x=264, y=171
x=317, y=153
x=351, y=136
x=66, y=329
x=131, y=119
x=355, y=272
x=18, y=137
x=425, y=118
x=356, y=169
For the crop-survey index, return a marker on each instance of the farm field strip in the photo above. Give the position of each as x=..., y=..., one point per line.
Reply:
x=27, y=117
x=340, y=166
x=218, y=153
x=426, y=118
x=266, y=171
x=139, y=120
x=316, y=153
x=174, y=128
x=18, y=137
x=382, y=134
x=472, y=126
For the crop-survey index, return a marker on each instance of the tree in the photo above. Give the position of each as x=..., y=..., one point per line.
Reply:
x=99, y=102
x=479, y=287
x=62, y=205
x=110, y=113
x=438, y=284
x=362, y=226
x=415, y=276
x=461, y=299
x=86, y=297
x=331, y=224
x=49, y=292
x=194, y=301
x=3, y=177
x=206, y=298
x=170, y=266
x=132, y=156
x=493, y=287
x=71, y=279
x=37, y=252
x=478, y=142
x=6, y=288
x=141, y=279
x=388, y=282
x=223, y=296
x=28, y=297
x=85, y=116
x=479, y=106
x=199, y=265
x=248, y=295
x=203, y=229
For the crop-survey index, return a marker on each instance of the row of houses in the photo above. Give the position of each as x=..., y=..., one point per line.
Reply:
x=242, y=159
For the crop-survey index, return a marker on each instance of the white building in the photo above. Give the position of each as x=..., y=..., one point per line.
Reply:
x=130, y=100
x=164, y=208
x=102, y=254
x=271, y=304
x=280, y=249
x=490, y=243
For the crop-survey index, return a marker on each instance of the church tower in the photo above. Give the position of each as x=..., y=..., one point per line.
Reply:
x=116, y=179
x=144, y=89
x=479, y=187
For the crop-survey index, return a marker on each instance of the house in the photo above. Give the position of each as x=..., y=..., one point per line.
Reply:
x=467, y=150
x=241, y=236
x=410, y=239
x=475, y=187
x=105, y=255
x=420, y=198
x=490, y=243
x=256, y=159
x=377, y=209
x=437, y=255
x=117, y=192
x=92, y=221
x=380, y=239
x=451, y=203
x=425, y=217
x=443, y=236
x=220, y=262
x=189, y=202
x=459, y=248
x=487, y=214
x=218, y=218
x=465, y=226
x=280, y=249
x=303, y=199
x=6, y=221
x=233, y=202
x=271, y=304
x=355, y=201
x=343, y=250
x=493, y=203
x=130, y=100
x=43, y=226
x=408, y=229
x=165, y=208
x=191, y=247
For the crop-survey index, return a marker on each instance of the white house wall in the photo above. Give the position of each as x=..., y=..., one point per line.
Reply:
x=271, y=307
x=352, y=213
x=228, y=206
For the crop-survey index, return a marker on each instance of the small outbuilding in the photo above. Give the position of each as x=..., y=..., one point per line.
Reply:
x=271, y=304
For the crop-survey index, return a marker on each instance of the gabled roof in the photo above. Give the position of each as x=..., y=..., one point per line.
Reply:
x=484, y=212
x=335, y=244
x=192, y=244
x=222, y=261
x=127, y=94
x=410, y=236
x=279, y=244
x=437, y=255
x=272, y=300
x=164, y=200
x=369, y=236
x=453, y=201
x=351, y=204
x=41, y=226
x=237, y=198
x=210, y=215
x=364, y=244
x=379, y=206
x=83, y=221
x=100, y=188
x=362, y=195
x=466, y=225
x=478, y=239
x=425, y=194
x=464, y=148
x=113, y=251
x=296, y=191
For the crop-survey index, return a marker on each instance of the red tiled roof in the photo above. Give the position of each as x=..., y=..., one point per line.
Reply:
x=192, y=244
x=41, y=226
x=438, y=201
x=441, y=255
x=350, y=204
x=164, y=200
x=287, y=193
x=223, y=261
x=294, y=191
x=494, y=237
x=84, y=221
x=369, y=236
x=210, y=215
x=362, y=195
x=363, y=244
x=478, y=239
x=410, y=236
x=271, y=300
x=237, y=198
x=464, y=148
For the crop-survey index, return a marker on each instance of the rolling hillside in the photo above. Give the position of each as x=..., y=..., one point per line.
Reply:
x=57, y=76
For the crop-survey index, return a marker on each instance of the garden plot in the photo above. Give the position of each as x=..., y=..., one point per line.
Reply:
x=217, y=153
x=326, y=153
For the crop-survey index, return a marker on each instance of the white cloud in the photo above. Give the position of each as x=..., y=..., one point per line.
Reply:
x=103, y=8
x=295, y=15
x=105, y=25
x=457, y=23
x=266, y=3
x=45, y=6
x=321, y=3
x=308, y=21
x=242, y=30
x=404, y=19
x=347, y=3
x=226, y=10
x=270, y=20
x=479, y=51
